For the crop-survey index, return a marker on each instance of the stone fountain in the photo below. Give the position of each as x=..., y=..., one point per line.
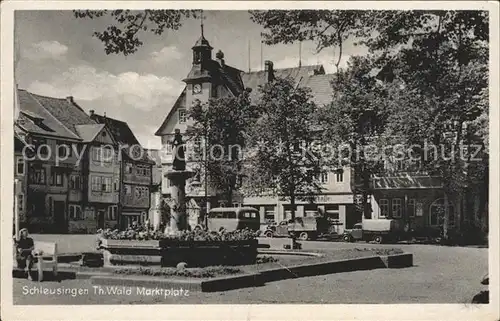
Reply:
x=177, y=177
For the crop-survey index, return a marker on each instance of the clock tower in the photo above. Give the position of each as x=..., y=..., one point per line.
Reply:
x=199, y=79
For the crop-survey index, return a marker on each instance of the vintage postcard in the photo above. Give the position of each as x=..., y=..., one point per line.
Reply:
x=250, y=160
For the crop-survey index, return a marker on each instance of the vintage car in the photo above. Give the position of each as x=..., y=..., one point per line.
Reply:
x=378, y=231
x=231, y=218
x=303, y=228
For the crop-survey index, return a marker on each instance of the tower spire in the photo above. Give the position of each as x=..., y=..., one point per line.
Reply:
x=201, y=22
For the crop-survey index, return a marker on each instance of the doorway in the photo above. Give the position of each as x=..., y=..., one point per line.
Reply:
x=100, y=219
x=60, y=216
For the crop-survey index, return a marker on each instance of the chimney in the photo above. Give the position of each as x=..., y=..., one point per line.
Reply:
x=91, y=112
x=70, y=100
x=220, y=57
x=269, y=70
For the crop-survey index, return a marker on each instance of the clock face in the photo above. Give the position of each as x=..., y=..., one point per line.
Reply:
x=197, y=89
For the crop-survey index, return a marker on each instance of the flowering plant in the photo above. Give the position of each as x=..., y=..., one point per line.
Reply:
x=196, y=235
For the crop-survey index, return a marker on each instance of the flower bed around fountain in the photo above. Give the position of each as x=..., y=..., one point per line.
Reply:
x=195, y=248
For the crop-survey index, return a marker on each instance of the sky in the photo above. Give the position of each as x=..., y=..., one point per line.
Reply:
x=59, y=57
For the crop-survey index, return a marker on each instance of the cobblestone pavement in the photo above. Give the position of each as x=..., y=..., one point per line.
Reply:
x=440, y=275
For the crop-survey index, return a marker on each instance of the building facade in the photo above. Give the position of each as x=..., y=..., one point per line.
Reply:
x=212, y=78
x=74, y=174
x=133, y=190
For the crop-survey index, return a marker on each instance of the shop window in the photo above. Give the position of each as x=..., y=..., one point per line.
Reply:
x=397, y=209
x=75, y=212
x=332, y=211
x=269, y=213
x=384, y=207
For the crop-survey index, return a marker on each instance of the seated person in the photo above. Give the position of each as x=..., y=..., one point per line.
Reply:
x=24, y=248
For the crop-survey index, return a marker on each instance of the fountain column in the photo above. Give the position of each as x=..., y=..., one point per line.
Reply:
x=177, y=177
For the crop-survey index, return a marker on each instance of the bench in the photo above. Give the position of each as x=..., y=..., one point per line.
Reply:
x=47, y=259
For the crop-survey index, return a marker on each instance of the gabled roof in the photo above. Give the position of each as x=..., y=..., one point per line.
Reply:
x=36, y=119
x=122, y=134
x=172, y=110
x=312, y=76
x=65, y=110
x=119, y=129
x=89, y=132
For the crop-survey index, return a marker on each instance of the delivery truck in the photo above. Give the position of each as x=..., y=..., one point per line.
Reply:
x=376, y=230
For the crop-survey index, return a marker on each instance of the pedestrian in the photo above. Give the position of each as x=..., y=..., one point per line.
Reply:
x=25, y=246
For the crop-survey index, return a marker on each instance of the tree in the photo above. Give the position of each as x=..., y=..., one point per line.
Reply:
x=123, y=35
x=224, y=123
x=443, y=76
x=279, y=152
x=434, y=64
x=328, y=28
x=354, y=121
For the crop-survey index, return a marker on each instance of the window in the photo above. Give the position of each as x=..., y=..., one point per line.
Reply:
x=214, y=91
x=96, y=154
x=37, y=175
x=106, y=184
x=112, y=213
x=288, y=211
x=75, y=212
x=198, y=141
x=332, y=211
x=128, y=190
x=20, y=202
x=56, y=177
x=310, y=209
x=143, y=170
x=411, y=207
x=384, y=207
x=104, y=154
x=75, y=182
x=63, y=150
x=20, y=166
x=128, y=168
x=399, y=165
x=437, y=210
x=339, y=176
x=322, y=177
x=96, y=184
x=40, y=145
x=107, y=154
x=116, y=185
x=269, y=213
x=396, y=208
x=167, y=148
x=182, y=115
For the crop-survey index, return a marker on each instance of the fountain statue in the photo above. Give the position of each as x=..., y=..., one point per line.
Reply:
x=177, y=177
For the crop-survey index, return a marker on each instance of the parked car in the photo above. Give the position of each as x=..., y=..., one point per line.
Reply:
x=303, y=228
x=376, y=230
x=232, y=218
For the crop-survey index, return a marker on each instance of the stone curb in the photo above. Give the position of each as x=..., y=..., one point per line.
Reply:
x=285, y=252
x=260, y=278
x=201, y=285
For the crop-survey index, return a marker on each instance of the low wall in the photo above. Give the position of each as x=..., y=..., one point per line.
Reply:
x=171, y=252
